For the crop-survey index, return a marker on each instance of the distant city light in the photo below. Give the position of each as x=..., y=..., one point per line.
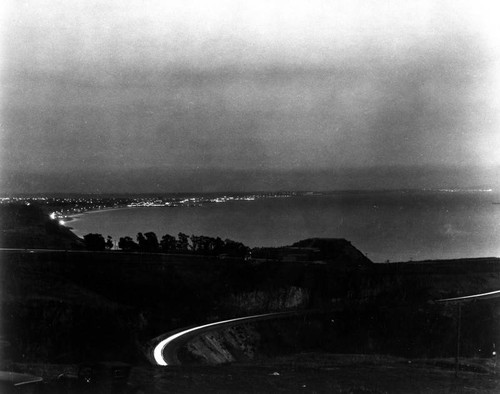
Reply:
x=61, y=222
x=67, y=206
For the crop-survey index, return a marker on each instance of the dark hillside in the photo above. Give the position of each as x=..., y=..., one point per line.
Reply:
x=336, y=251
x=77, y=305
x=81, y=296
x=29, y=227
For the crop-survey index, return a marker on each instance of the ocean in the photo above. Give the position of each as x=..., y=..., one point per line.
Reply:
x=385, y=225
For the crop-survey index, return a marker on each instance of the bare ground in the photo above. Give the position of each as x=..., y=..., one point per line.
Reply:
x=304, y=373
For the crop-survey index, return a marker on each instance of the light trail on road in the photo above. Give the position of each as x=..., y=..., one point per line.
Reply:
x=160, y=347
x=491, y=294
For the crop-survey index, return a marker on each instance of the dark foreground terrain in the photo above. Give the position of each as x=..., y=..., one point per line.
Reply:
x=62, y=309
x=73, y=306
x=300, y=373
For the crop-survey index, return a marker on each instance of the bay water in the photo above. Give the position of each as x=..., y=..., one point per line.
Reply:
x=385, y=225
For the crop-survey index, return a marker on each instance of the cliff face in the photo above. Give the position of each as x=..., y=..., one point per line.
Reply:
x=256, y=341
x=247, y=342
x=233, y=344
x=257, y=301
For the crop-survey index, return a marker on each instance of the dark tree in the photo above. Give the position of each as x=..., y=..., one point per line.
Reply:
x=109, y=242
x=236, y=249
x=94, y=241
x=218, y=246
x=195, y=243
x=207, y=245
x=141, y=240
x=183, y=242
x=151, y=243
x=168, y=243
x=127, y=243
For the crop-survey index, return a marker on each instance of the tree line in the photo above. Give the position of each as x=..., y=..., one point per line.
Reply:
x=148, y=242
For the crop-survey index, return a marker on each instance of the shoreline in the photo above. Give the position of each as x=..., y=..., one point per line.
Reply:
x=444, y=237
x=76, y=216
x=67, y=220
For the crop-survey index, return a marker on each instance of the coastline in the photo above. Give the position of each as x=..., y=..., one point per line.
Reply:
x=76, y=216
x=66, y=220
x=435, y=227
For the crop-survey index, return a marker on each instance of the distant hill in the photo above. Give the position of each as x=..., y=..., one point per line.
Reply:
x=29, y=227
x=336, y=250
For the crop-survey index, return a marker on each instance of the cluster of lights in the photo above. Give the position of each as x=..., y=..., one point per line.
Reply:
x=66, y=206
x=197, y=201
x=463, y=190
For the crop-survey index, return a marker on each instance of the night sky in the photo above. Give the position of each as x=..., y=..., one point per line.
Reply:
x=146, y=96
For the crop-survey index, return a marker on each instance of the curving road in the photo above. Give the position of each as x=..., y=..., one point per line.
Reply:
x=165, y=347
x=484, y=296
x=165, y=350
